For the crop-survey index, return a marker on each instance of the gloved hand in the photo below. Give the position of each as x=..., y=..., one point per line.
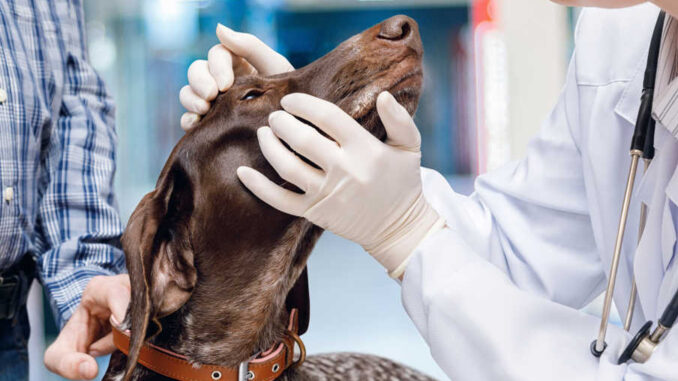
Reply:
x=238, y=54
x=365, y=190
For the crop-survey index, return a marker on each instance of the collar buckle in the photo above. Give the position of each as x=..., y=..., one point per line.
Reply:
x=244, y=371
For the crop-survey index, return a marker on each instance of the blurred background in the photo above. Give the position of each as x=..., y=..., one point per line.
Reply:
x=493, y=69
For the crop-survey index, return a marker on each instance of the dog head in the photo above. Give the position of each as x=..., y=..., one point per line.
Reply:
x=386, y=57
x=202, y=251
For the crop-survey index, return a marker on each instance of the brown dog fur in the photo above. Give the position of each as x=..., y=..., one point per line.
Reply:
x=210, y=264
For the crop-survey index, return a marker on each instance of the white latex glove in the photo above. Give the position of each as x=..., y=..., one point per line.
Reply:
x=238, y=54
x=365, y=190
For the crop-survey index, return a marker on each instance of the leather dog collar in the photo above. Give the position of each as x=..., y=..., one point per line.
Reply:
x=265, y=366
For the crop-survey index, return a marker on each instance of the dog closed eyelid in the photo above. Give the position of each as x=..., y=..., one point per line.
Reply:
x=252, y=94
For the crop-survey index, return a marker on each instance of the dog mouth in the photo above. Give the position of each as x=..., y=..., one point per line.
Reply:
x=403, y=81
x=407, y=89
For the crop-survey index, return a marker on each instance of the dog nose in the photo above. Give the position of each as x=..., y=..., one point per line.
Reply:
x=400, y=29
x=396, y=28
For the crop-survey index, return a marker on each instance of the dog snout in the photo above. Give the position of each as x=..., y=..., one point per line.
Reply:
x=396, y=28
x=401, y=30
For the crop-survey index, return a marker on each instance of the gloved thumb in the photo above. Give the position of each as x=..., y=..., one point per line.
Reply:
x=401, y=131
x=264, y=59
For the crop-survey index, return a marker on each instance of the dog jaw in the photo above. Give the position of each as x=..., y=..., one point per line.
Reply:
x=257, y=312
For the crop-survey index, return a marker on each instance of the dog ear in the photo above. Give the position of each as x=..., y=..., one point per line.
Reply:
x=159, y=258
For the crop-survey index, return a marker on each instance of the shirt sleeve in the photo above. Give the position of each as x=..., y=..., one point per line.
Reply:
x=79, y=226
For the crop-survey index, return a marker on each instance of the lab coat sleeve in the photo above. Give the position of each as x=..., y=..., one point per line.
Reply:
x=530, y=218
x=480, y=326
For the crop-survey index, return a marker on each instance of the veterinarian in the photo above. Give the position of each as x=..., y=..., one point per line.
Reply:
x=495, y=282
x=58, y=218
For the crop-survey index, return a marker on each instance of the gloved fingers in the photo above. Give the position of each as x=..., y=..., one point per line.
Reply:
x=192, y=102
x=220, y=64
x=325, y=115
x=225, y=66
x=201, y=81
x=267, y=191
x=189, y=120
x=288, y=165
x=266, y=60
x=400, y=128
x=304, y=139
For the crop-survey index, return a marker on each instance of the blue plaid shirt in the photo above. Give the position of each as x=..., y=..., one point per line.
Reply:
x=57, y=151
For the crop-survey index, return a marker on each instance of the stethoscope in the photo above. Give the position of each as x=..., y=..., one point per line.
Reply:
x=642, y=146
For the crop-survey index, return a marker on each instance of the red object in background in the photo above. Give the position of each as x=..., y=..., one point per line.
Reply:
x=483, y=17
x=483, y=11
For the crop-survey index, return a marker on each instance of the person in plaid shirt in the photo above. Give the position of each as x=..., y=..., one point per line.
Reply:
x=58, y=217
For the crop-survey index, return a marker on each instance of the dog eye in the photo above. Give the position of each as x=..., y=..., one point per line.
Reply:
x=252, y=94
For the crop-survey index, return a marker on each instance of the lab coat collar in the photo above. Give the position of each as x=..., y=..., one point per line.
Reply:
x=627, y=107
x=629, y=103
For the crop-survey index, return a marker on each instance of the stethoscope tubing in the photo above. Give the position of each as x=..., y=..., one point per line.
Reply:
x=600, y=344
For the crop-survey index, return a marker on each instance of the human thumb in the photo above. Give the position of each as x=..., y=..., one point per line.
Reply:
x=401, y=131
x=74, y=365
x=88, y=368
x=119, y=296
x=264, y=59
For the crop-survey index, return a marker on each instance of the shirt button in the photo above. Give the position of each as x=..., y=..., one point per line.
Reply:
x=3, y=96
x=8, y=194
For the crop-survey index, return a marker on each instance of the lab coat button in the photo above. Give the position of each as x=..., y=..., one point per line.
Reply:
x=8, y=194
x=3, y=96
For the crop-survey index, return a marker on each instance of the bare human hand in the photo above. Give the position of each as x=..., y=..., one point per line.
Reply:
x=87, y=334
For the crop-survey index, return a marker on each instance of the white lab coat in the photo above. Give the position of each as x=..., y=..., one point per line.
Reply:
x=497, y=294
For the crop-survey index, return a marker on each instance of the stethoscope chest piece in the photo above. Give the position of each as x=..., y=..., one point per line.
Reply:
x=640, y=348
x=644, y=343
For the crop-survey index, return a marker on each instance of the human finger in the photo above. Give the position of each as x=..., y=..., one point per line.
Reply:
x=74, y=366
x=107, y=295
x=326, y=116
x=266, y=60
x=288, y=165
x=401, y=131
x=220, y=64
x=103, y=346
x=65, y=356
x=201, y=81
x=304, y=139
x=192, y=101
x=271, y=193
x=189, y=120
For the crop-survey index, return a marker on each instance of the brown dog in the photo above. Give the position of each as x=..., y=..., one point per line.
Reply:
x=210, y=264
